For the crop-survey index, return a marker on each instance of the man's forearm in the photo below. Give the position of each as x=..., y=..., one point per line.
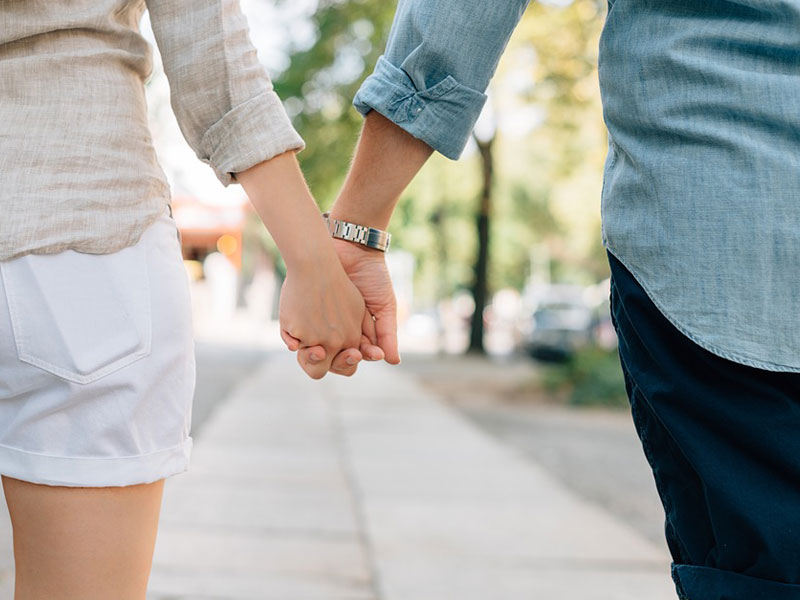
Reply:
x=386, y=160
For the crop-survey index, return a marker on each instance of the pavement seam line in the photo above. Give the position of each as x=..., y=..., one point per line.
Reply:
x=333, y=410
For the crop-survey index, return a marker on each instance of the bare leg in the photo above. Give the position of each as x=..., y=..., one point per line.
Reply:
x=83, y=543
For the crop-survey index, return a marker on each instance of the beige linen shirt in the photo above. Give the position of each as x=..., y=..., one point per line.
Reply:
x=77, y=165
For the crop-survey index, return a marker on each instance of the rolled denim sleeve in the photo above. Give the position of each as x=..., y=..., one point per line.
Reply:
x=439, y=59
x=222, y=97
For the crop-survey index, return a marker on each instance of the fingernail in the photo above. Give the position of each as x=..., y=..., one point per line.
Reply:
x=350, y=360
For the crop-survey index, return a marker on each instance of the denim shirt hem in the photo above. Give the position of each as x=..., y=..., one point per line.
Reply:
x=687, y=331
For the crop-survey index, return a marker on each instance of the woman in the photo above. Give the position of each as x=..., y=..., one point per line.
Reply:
x=96, y=353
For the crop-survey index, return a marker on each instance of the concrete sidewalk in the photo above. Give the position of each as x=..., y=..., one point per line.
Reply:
x=371, y=488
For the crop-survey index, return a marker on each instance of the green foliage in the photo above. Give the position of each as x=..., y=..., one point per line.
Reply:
x=591, y=377
x=319, y=86
x=563, y=156
x=565, y=72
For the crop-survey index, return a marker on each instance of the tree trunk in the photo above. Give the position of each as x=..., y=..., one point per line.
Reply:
x=480, y=283
x=442, y=289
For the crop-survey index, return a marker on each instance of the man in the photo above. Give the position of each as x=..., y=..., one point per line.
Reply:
x=701, y=222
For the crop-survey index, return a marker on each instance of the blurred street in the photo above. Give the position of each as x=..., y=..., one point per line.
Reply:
x=376, y=488
x=592, y=451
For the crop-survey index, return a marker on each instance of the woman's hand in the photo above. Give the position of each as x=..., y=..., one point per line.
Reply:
x=323, y=315
x=321, y=310
x=367, y=269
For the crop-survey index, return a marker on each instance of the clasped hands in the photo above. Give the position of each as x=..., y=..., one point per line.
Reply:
x=337, y=303
x=339, y=309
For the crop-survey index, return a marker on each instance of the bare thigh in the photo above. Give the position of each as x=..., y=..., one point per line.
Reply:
x=79, y=543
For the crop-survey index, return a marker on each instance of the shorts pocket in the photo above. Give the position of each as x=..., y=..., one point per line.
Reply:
x=80, y=316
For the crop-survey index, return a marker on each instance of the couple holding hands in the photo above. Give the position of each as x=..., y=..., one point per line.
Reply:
x=97, y=368
x=426, y=93
x=700, y=221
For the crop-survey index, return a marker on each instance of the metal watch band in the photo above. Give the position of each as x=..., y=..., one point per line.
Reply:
x=360, y=234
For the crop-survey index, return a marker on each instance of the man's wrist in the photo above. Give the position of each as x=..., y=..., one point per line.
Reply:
x=361, y=213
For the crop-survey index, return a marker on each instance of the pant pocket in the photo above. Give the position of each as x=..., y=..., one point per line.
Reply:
x=80, y=316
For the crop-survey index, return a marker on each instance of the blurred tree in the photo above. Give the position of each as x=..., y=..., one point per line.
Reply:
x=480, y=285
x=557, y=44
x=319, y=85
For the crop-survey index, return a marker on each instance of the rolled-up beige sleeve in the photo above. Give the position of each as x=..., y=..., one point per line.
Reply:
x=222, y=97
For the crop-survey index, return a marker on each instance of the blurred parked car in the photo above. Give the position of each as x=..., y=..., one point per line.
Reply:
x=603, y=333
x=561, y=323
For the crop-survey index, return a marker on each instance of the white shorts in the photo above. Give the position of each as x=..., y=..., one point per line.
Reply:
x=97, y=364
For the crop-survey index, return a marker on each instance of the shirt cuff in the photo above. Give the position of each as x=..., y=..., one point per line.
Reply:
x=442, y=116
x=254, y=131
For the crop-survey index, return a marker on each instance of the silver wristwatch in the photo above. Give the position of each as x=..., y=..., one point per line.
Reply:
x=361, y=234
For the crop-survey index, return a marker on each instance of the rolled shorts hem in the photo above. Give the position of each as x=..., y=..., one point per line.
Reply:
x=95, y=471
x=706, y=583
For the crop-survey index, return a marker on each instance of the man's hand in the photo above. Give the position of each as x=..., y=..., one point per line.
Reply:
x=366, y=268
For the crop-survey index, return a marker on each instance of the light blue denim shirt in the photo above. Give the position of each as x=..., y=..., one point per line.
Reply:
x=701, y=194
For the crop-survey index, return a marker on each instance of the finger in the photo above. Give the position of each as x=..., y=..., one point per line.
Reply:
x=346, y=359
x=349, y=372
x=313, y=361
x=369, y=350
x=368, y=328
x=369, y=339
x=314, y=354
x=315, y=370
x=292, y=343
x=346, y=362
x=386, y=328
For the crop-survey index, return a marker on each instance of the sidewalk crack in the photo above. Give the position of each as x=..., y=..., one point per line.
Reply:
x=334, y=415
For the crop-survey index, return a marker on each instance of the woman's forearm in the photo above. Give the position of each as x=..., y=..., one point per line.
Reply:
x=279, y=194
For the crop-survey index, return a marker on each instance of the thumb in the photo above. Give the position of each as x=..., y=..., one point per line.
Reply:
x=386, y=329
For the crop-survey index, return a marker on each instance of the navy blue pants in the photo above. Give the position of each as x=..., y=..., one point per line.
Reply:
x=723, y=441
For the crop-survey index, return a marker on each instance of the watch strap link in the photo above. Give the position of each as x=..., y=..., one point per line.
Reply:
x=360, y=234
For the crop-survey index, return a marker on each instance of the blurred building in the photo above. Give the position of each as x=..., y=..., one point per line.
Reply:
x=212, y=238
x=207, y=228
